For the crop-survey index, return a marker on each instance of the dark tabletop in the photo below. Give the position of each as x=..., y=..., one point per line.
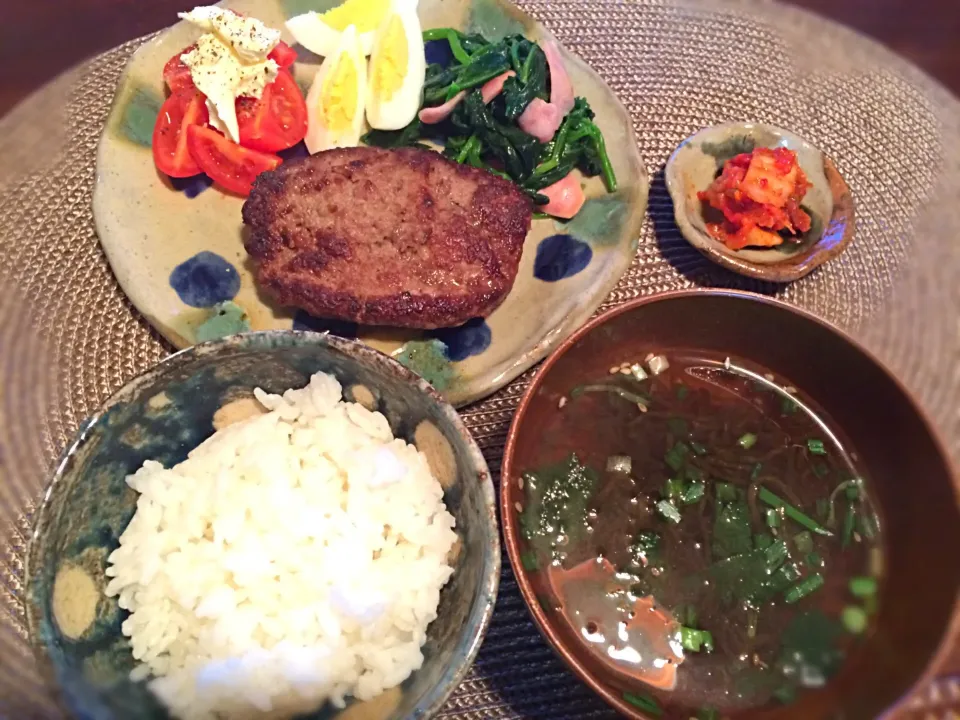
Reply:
x=40, y=38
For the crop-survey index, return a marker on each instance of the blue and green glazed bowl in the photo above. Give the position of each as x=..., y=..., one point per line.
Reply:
x=169, y=410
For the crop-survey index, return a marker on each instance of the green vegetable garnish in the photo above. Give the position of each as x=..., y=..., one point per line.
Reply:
x=731, y=526
x=688, y=615
x=694, y=640
x=559, y=506
x=788, y=406
x=673, y=489
x=854, y=619
x=849, y=521
x=698, y=448
x=755, y=473
x=529, y=561
x=644, y=702
x=676, y=456
x=747, y=440
x=453, y=38
x=690, y=639
x=814, y=560
x=763, y=541
x=785, y=694
x=791, y=512
x=773, y=518
x=804, y=588
x=816, y=446
x=694, y=492
x=668, y=511
x=810, y=646
x=725, y=491
x=803, y=542
x=863, y=587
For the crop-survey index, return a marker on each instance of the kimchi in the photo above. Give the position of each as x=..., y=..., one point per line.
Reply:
x=759, y=195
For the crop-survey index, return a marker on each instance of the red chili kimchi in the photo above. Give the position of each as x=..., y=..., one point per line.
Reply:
x=759, y=194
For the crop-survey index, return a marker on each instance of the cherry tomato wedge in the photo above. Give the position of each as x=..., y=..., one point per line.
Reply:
x=176, y=74
x=231, y=166
x=278, y=120
x=283, y=55
x=183, y=109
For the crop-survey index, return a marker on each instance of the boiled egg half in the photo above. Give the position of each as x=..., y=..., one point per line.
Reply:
x=320, y=32
x=397, y=68
x=336, y=99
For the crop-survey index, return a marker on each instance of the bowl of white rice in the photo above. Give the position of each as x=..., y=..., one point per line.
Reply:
x=275, y=524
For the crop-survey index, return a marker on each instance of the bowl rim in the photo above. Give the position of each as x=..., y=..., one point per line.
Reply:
x=481, y=610
x=711, y=248
x=510, y=527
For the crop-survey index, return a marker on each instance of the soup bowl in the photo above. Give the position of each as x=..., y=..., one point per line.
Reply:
x=170, y=409
x=911, y=483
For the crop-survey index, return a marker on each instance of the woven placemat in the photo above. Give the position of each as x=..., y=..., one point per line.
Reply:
x=68, y=336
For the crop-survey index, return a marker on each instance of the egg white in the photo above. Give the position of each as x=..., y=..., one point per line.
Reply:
x=318, y=37
x=319, y=136
x=402, y=107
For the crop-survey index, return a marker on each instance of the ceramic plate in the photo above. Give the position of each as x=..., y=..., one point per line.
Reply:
x=699, y=159
x=176, y=247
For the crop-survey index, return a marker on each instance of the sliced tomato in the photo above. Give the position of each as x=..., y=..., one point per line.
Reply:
x=278, y=120
x=183, y=109
x=176, y=74
x=231, y=166
x=283, y=55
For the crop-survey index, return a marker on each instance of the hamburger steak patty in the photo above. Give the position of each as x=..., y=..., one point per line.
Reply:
x=386, y=237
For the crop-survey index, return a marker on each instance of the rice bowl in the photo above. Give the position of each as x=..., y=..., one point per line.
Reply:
x=294, y=557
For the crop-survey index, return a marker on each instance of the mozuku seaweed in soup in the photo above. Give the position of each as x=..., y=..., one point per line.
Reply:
x=704, y=533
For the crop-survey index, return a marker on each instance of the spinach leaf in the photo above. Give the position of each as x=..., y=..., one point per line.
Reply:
x=744, y=577
x=731, y=529
x=529, y=82
x=405, y=137
x=557, y=498
x=810, y=647
x=578, y=143
x=517, y=152
x=436, y=83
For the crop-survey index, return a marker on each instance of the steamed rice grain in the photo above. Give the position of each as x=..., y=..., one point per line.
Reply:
x=293, y=558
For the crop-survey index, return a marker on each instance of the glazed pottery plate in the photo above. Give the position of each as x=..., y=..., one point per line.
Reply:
x=177, y=249
x=697, y=161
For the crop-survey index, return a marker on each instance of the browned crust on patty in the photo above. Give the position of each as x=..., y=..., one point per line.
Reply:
x=386, y=237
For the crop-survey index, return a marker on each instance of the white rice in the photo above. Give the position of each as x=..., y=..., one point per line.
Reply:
x=295, y=557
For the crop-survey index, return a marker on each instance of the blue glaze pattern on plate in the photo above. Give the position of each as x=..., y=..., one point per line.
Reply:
x=438, y=52
x=205, y=280
x=471, y=338
x=192, y=186
x=297, y=151
x=139, y=116
x=305, y=321
x=559, y=257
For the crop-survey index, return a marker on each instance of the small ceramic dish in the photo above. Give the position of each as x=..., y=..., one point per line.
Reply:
x=169, y=410
x=866, y=402
x=698, y=160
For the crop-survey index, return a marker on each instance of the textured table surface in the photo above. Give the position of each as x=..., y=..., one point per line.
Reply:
x=68, y=336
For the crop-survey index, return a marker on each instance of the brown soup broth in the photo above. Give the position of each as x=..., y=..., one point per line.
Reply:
x=688, y=536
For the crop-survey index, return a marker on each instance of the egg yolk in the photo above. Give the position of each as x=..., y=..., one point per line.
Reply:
x=365, y=14
x=391, y=67
x=338, y=101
